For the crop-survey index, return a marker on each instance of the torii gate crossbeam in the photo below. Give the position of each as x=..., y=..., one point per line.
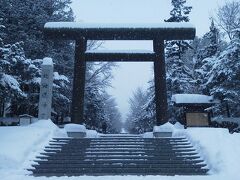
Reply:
x=81, y=32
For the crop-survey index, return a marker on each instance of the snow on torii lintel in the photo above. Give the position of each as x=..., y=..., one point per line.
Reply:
x=80, y=25
x=136, y=51
x=192, y=99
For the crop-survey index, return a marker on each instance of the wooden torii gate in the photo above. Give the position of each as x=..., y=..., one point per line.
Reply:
x=81, y=32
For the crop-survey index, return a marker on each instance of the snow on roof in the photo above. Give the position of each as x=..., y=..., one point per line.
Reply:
x=191, y=99
x=136, y=51
x=79, y=25
x=47, y=61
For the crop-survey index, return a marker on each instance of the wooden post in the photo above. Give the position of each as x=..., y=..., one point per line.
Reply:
x=79, y=82
x=160, y=82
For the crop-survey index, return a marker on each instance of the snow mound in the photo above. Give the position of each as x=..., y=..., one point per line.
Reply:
x=217, y=147
x=18, y=142
x=178, y=125
x=92, y=134
x=75, y=128
x=163, y=128
x=147, y=135
x=167, y=127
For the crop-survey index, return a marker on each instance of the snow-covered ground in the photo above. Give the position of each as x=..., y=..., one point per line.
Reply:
x=19, y=146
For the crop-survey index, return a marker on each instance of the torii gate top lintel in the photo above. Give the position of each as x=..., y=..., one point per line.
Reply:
x=92, y=31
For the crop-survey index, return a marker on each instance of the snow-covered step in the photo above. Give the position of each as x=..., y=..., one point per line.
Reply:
x=119, y=154
x=120, y=135
x=123, y=165
x=119, y=171
x=125, y=161
x=111, y=157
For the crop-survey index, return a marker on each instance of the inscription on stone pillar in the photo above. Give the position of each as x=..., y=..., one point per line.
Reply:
x=45, y=96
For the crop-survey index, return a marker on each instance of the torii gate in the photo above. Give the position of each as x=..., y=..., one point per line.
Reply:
x=81, y=32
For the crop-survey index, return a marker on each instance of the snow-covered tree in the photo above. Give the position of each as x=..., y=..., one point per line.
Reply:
x=10, y=55
x=139, y=119
x=228, y=18
x=205, y=50
x=98, y=78
x=224, y=76
x=178, y=73
x=112, y=115
x=24, y=21
x=20, y=82
x=179, y=13
x=210, y=43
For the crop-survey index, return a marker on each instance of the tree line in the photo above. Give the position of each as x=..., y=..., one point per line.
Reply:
x=22, y=49
x=208, y=65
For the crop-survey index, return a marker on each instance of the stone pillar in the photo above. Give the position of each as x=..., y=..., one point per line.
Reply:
x=79, y=82
x=160, y=82
x=45, y=96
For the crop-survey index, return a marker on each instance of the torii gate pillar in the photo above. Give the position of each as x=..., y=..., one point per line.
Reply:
x=77, y=111
x=160, y=82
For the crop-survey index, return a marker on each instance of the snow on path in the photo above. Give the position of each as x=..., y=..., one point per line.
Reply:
x=19, y=146
x=215, y=177
x=220, y=149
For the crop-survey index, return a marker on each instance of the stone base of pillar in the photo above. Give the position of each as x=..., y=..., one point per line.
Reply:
x=165, y=130
x=76, y=134
x=162, y=134
x=75, y=130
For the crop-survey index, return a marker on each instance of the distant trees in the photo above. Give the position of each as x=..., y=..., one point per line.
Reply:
x=139, y=118
x=99, y=105
x=112, y=115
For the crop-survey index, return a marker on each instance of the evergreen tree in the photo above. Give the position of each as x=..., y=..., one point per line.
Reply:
x=20, y=82
x=210, y=45
x=24, y=21
x=11, y=55
x=179, y=13
x=178, y=73
x=224, y=76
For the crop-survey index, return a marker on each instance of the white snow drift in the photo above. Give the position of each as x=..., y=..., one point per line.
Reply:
x=19, y=146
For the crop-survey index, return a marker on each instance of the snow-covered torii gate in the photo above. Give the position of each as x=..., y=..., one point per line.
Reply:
x=81, y=32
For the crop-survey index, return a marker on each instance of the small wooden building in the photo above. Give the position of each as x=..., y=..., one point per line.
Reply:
x=193, y=110
x=26, y=119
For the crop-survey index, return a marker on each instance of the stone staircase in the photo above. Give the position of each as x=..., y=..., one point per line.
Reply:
x=118, y=155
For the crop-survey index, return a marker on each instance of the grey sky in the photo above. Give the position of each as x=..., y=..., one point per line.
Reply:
x=129, y=76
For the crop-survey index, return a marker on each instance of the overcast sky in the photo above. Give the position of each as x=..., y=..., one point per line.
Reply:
x=129, y=76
